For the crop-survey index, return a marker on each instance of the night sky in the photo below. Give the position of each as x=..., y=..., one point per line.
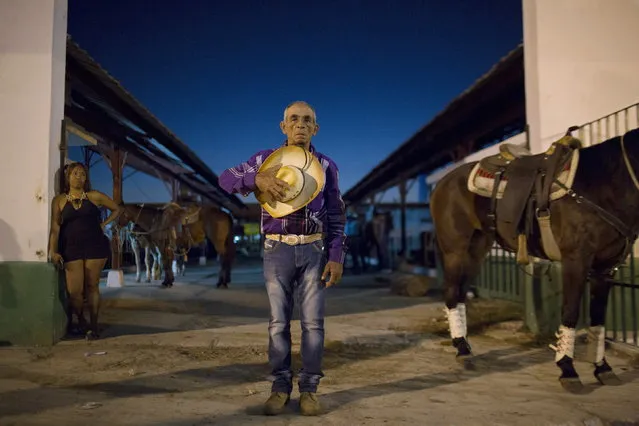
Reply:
x=219, y=73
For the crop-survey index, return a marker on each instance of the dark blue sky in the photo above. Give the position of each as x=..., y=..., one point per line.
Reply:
x=219, y=73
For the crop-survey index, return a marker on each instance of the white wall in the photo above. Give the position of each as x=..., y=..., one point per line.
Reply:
x=32, y=67
x=581, y=63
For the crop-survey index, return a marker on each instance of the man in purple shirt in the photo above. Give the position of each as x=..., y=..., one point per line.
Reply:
x=302, y=267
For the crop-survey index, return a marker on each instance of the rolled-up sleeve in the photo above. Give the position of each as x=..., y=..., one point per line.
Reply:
x=336, y=216
x=241, y=178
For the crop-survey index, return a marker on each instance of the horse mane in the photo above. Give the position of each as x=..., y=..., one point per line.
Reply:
x=606, y=157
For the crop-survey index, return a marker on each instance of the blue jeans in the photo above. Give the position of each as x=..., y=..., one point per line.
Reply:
x=295, y=271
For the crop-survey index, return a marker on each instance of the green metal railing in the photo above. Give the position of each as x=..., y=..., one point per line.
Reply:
x=623, y=312
x=500, y=277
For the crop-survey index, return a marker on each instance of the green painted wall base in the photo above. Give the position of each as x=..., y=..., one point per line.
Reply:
x=32, y=300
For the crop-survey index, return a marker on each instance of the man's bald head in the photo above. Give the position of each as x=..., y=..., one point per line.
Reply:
x=300, y=103
x=299, y=124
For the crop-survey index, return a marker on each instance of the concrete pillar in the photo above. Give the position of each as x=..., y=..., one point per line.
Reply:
x=33, y=55
x=580, y=63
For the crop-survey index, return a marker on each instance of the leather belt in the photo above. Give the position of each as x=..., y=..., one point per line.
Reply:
x=294, y=240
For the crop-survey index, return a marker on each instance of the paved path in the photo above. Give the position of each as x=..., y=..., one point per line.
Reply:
x=196, y=355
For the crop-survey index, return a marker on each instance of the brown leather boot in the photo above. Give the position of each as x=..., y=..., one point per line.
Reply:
x=309, y=404
x=275, y=403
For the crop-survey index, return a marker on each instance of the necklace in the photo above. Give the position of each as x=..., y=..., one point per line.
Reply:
x=76, y=202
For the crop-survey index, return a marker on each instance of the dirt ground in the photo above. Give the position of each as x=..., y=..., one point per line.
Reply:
x=196, y=355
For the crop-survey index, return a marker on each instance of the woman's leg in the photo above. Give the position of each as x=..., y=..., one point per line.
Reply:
x=92, y=270
x=74, y=273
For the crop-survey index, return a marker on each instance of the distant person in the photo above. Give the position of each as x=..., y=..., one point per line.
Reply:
x=295, y=258
x=355, y=242
x=78, y=244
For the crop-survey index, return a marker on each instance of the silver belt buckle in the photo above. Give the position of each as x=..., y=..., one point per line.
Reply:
x=292, y=240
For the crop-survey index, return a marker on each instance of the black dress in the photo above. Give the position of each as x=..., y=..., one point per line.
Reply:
x=81, y=236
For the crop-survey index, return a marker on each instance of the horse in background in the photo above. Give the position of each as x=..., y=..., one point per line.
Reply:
x=592, y=196
x=217, y=226
x=376, y=235
x=174, y=229
x=162, y=228
x=138, y=239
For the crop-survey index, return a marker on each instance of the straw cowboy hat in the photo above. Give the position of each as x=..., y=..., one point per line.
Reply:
x=301, y=170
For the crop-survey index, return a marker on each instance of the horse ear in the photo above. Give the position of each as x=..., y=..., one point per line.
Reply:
x=571, y=129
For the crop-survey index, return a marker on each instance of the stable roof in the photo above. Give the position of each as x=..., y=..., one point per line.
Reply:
x=493, y=107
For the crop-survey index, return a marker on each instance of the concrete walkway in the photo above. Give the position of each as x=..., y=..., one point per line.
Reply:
x=196, y=355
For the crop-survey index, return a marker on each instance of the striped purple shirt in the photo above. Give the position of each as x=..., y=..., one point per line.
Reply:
x=325, y=214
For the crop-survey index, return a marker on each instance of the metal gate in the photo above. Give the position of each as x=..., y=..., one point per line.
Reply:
x=500, y=277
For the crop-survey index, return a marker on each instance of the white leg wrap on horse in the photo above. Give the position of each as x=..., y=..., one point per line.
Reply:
x=457, y=320
x=565, y=343
x=596, y=344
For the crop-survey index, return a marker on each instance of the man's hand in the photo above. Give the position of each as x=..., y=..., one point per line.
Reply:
x=335, y=269
x=267, y=183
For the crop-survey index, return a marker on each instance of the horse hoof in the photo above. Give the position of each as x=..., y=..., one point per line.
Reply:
x=572, y=385
x=609, y=378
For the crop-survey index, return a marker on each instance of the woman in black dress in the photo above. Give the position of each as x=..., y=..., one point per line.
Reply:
x=77, y=243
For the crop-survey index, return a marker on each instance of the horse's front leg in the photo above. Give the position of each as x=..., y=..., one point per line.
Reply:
x=135, y=246
x=599, y=292
x=224, y=274
x=455, y=266
x=167, y=262
x=183, y=260
x=147, y=262
x=157, y=263
x=575, y=272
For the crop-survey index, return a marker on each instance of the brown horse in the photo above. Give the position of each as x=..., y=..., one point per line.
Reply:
x=162, y=227
x=217, y=226
x=175, y=229
x=593, y=198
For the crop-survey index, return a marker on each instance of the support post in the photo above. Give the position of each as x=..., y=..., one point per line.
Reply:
x=402, y=206
x=59, y=187
x=116, y=160
x=175, y=190
x=88, y=155
x=32, y=88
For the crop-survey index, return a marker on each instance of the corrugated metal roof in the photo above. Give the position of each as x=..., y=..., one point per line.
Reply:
x=177, y=156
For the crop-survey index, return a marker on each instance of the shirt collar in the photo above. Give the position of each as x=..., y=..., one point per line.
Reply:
x=311, y=147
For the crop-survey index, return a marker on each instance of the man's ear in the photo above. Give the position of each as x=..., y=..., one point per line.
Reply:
x=283, y=127
x=316, y=129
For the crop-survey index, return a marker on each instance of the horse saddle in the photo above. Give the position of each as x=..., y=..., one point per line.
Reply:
x=509, y=152
x=528, y=192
